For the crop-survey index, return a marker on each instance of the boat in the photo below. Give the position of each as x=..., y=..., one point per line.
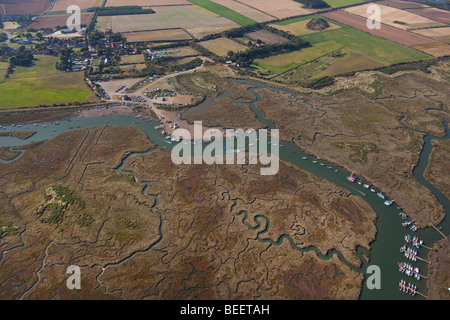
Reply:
x=351, y=178
x=388, y=203
x=408, y=238
x=304, y=158
x=380, y=195
x=406, y=223
x=366, y=186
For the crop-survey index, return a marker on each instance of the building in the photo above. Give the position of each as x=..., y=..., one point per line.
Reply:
x=68, y=31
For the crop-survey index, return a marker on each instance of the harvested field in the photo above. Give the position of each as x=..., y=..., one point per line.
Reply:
x=167, y=17
x=62, y=5
x=245, y=10
x=432, y=13
x=145, y=3
x=387, y=32
x=389, y=15
x=266, y=37
x=23, y=7
x=279, y=9
x=200, y=32
x=221, y=46
x=298, y=26
x=58, y=20
x=441, y=34
x=402, y=4
x=157, y=35
x=420, y=9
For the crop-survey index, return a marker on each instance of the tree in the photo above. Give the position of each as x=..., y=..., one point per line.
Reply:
x=3, y=37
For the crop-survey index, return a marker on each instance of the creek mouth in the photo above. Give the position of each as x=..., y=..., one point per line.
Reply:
x=384, y=250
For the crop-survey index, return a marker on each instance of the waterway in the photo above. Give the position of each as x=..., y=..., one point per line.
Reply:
x=385, y=249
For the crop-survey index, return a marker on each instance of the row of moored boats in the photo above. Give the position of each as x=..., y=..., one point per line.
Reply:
x=408, y=288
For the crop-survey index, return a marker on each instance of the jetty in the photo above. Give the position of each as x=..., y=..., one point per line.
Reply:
x=409, y=288
x=440, y=232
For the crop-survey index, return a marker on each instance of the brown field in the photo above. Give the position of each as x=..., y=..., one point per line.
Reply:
x=266, y=37
x=157, y=35
x=299, y=28
x=279, y=9
x=145, y=3
x=403, y=37
x=389, y=15
x=62, y=5
x=58, y=20
x=221, y=46
x=245, y=10
x=441, y=34
x=402, y=4
x=433, y=13
x=23, y=6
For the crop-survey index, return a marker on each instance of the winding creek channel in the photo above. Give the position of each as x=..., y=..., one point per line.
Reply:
x=385, y=249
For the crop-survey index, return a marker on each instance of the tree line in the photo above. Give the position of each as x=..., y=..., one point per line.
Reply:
x=122, y=10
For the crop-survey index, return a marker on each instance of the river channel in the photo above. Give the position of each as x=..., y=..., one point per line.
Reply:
x=385, y=249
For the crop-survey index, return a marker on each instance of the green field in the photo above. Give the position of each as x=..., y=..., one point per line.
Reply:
x=285, y=61
x=224, y=11
x=43, y=84
x=3, y=68
x=374, y=47
x=343, y=3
